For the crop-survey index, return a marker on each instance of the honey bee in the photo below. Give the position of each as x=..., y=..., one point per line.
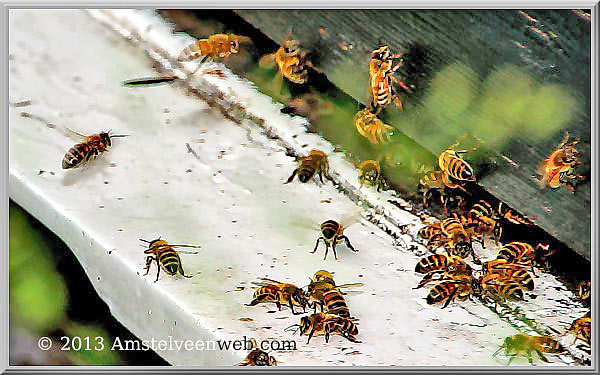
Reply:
x=584, y=289
x=372, y=128
x=216, y=46
x=326, y=324
x=559, y=169
x=332, y=233
x=525, y=345
x=582, y=329
x=512, y=216
x=370, y=173
x=281, y=294
x=524, y=254
x=439, y=264
x=459, y=241
x=314, y=163
x=456, y=286
x=500, y=287
x=323, y=292
x=431, y=181
x=92, y=146
x=482, y=220
x=165, y=256
x=380, y=76
x=505, y=268
x=257, y=357
x=291, y=61
x=454, y=168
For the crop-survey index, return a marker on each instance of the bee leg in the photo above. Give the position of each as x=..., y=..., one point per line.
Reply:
x=291, y=178
x=349, y=244
x=316, y=245
x=158, y=272
x=334, y=250
x=452, y=296
x=310, y=335
x=542, y=357
x=512, y=357
x=182, y=272
x=326, y=250
x=292, y=306
x=149, y=260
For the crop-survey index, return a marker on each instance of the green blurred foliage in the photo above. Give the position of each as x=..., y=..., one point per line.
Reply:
x=38, y=294
x=96, y=351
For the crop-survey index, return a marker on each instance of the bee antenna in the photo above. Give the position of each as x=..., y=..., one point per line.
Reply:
x=146, y=241
x=119, y=135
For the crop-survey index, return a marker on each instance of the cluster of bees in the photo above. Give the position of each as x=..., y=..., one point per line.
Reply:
x=322, y=294
x=504, y=278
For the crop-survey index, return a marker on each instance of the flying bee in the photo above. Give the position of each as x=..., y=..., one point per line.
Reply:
x=439, y=264
x=505, y=268
x=381, y=78
x=315, y=163
x=326, y=324
x=216, y=46
x=456, y=286
x=372, y=128
x=584, y=289
x=281, y=294
x=165, y=256
x=257, y=357
x=292, y=62
x=559, y=169
x=459, y=241
x=582, y=329
x=332, y=233
x=370, y=173
x=454, y=168
x=525, y=345
x=92, y=147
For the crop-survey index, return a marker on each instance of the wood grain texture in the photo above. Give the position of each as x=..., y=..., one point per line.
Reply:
x=552, y=47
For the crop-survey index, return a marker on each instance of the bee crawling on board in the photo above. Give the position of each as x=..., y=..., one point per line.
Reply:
x=500, y=287
x=323, y=292
x=92, y=146
x=332, y=233
x=582, y=329
x=515, y=271
x=257, y=357
x=165, y=256
x=281, y=294
x=431, y=181
x=217, y=46
x=372, y=128
x=458, y=241
x=559, y=168
x=443, y=266
x=369, y=172
x=584, y=290
x=315, y=163
x=524, y=254
x=511, y=216
x=525, y=346
x=326, y=324
x=291, y=61
x=452, y=287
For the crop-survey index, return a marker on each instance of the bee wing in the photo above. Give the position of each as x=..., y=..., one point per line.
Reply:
x=266, y=282
x=267, y=61
x=71, y=133
x=351, y=217
x=305, y=222
x=353, y=285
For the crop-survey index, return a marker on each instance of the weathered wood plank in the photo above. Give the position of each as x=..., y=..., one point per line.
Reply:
x=548, y=57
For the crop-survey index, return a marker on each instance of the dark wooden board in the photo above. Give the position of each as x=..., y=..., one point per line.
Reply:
x=552, y=47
